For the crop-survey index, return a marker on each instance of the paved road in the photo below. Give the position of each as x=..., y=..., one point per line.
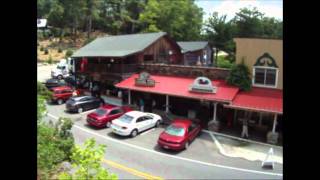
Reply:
x=140, y=157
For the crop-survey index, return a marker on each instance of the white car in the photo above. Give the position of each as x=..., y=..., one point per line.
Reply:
x=134, y=122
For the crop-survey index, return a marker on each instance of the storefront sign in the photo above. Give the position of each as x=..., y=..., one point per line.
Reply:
x=202, y=85
x=144, y=79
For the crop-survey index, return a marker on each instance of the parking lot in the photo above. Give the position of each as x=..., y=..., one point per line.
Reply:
x=203, y=148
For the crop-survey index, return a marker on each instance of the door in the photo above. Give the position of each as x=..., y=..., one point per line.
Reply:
x=149, y=122
x=114, y=114
x=141, y=123
x=192, y=131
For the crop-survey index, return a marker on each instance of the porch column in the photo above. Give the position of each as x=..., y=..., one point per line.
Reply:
x=235, y=116
x=274, y=123
x=167, y=104
x=260, y=118
x=129, y=97
x=215, y=112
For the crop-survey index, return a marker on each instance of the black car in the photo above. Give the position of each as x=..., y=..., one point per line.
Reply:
x=72, y=80
x=82, y=103
x=51, y=83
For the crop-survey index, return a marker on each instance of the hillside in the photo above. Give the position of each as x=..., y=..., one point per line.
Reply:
x=66, y=43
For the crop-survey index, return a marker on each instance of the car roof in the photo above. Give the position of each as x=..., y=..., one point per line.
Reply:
x=77, y=98
x=136, y=113
x=61, y=88
x=182, y=122
x=109, y=106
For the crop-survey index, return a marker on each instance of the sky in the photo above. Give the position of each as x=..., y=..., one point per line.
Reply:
x=271, y=8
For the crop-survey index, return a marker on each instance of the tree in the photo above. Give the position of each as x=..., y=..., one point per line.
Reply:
x=240, y=76
x=220, y=33
x=248, y=22
x=180, y=19
x=87, y=163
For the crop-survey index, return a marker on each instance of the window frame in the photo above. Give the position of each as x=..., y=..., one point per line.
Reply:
x=265, y=77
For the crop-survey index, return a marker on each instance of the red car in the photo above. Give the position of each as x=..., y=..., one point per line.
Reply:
x=179, y=134
x=103, y=116
x=61, y=94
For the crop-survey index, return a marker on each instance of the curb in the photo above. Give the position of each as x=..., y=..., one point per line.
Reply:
x=241, y=139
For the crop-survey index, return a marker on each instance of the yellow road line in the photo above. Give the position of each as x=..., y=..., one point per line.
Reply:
x=131, y=171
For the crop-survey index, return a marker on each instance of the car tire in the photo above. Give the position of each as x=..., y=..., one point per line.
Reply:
x=80, y=110
x=60, y=101
x=186, y=145
x=59, y=77
x=157, y=124
x=134, y=133
x=108, y=125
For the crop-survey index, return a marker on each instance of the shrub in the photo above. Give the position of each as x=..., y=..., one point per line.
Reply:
x=59, y=50
x=41, y=48
x=69, y=53
x=222, y=62
x=240, y=76
x=46, y=51
x=50, y=61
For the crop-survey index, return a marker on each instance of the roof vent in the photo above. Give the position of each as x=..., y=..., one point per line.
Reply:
x=144, y=79
x=202, y=85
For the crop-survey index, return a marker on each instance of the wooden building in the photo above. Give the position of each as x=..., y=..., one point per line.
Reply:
x=110, y=59
x=196, y=53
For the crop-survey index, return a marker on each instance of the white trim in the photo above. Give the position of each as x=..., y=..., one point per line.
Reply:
x=265, y=76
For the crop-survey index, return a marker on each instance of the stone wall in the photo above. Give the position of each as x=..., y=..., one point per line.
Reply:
x=185, y=71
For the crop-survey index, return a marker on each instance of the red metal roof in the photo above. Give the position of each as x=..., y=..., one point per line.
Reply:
x=259, y=99
x=179, y=86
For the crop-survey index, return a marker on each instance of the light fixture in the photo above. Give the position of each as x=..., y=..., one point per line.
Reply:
x=112, y=60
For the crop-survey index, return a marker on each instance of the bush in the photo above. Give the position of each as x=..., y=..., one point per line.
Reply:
x=59, y=50
x=46, y=51
x=50, y=61
x=43, y=91
x=41, y=48
x=240, y=76
x=87, y=162
x=69, y=53
x=223, y=62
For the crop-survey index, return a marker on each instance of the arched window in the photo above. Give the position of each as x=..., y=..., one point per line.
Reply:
x=265, y=72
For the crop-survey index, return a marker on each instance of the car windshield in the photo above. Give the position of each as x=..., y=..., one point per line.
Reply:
x=101, y=112
x=175, y=130
x=60, y=67
x=126, y=118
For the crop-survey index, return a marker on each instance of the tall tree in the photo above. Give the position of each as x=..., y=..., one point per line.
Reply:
x=249, y=23
x=220, y=33
x=180, y=19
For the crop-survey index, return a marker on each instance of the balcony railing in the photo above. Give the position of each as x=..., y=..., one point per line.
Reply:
x=113, y=68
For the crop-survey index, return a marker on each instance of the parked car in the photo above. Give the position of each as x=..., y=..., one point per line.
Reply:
x=61, y=94
x=134, y=122
x=51, y=83
x=179, y=134
x=71, y=80
x=104, y=115
x=83, y=103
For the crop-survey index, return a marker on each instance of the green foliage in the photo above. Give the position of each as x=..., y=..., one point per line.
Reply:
x=240, y=76
x=59, y=50
x=69, y=53
x=180, y=19
x=54, y=145
x=43, y=91
x=41, y=48
x=50, y=60
x=41, y=107
x=46, y=51
x=223, y=62
x=87, y=162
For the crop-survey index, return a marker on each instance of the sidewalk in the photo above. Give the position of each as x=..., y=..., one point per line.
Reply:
x=248, y=150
